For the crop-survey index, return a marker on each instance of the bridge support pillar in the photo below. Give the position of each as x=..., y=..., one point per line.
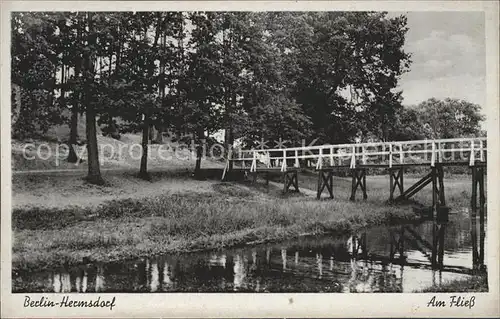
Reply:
x=396, y=180
x=478, y=194
x=439, y=209
x=415, y=188
x=290, y=178
x=358, y=179
x=325, y=179
x=438, y=234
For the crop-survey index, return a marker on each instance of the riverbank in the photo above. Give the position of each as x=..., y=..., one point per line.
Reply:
x=474, y=284
x=211, y=215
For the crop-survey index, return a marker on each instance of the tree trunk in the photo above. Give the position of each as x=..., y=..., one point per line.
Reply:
x=73, y=126
x=73, y=134
x=94, y=172
x=199, y=153
x=143, y=172
x=161, y=86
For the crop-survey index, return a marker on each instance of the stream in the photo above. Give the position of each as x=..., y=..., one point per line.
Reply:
x=378, y=259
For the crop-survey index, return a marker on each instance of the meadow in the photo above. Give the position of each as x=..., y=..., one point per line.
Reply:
x=187, y=215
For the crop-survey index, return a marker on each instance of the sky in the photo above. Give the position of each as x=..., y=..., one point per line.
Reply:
x=448, y=54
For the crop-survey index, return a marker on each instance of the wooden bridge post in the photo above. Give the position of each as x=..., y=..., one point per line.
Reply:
x=395, y=180
x=434, y=244
x=473, y=213
x=228, y=167
x=290, y=178
x=325, y=179
x=478, y=185
x=438, y=234
x=358, y=179
x=442, y=198
x=482, y=212
x=438, y=197
x=441, y=234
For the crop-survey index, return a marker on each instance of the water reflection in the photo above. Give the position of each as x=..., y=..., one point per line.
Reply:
x=383, y=259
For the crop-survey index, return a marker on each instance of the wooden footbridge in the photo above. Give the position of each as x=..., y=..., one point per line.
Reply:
x=394, y=157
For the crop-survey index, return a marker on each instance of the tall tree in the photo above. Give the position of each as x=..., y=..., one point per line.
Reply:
x=202, y=80
x=408, y=125
x=70, y=50
x=157, y=22
x=269, y=101
x=273, y=75
x=34, y=67
x=90, y=86
x=345, y=65
x=450, y=118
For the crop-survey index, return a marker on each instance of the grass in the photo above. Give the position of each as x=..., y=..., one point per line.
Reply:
x=131, y=218
x=51, y=154
x=69, y=190
x=476, y=284
x=230, y=214
x=457, y=188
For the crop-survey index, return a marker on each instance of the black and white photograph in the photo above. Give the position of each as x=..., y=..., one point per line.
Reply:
x=265, y=152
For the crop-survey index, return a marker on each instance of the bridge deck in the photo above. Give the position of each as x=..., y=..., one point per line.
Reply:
x=325, y=168
x=445, y=152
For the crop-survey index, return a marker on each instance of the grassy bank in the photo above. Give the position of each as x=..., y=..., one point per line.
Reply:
x=226, y=215
x=475, y=284
x=457, y=188
x=63, y=190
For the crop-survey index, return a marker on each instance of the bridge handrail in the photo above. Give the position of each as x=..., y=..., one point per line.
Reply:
x=326, y=146
x=394, y=149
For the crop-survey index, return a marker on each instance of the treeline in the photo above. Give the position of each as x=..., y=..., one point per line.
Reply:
x=439, y=119
x=330, y=76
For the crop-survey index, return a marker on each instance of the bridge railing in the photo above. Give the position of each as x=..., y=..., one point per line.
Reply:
x=381, y=154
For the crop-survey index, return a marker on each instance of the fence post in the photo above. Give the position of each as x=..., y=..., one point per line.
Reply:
x=440, y=155
x=332, y=163
x=433, y=155
x=401, y=155
x=481, y=148
x=390, y=155
x=353, y=158
x=364, y=154
x=319, y=164
x=283, y=165
x=472, y=159
x=253, y=168
x=226, y=167
x=297, y=164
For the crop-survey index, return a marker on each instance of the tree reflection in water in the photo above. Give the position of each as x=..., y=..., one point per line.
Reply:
x=382, y=259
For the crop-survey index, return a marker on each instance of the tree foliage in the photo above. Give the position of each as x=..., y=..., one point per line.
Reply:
x=256, y=75
x=34, y=64
x=450, y=118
